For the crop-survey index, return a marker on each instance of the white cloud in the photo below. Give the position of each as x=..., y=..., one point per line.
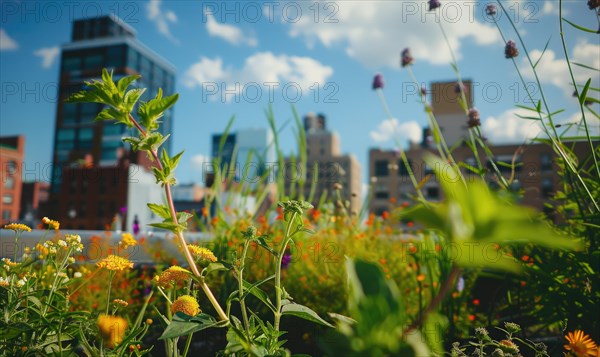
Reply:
x=258, y=69
x=229, y=33
x=509, y=128
x=393, y=130
x=49, y=55
x=555, y=70
x=549, y=8
x=375, y=35
x=200, y=162
x=6, y=42
x=162, y=19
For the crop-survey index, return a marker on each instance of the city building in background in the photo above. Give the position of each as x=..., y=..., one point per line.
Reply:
x=326, y=166
x=12, y=151
x=252, y=149
x=34, y=197
x=445, y=103
x=535, y=172
x=89, y=157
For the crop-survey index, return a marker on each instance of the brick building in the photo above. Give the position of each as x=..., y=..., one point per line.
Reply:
x=11, y=161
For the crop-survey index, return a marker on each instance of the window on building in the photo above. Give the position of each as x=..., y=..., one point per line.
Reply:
x=132, y=59
x=65, y=135
x=86, y=134
x=433, y=193
x=11, y=167
x=381, y=191
x=546, y=162
x=114, y=56
x=71, y=64
x=92, y=62
x=381, y=168
x=402, y=169
x=6, y=215
x=9, y=183
x=547, y=187
x=7, y=199
x=69, y=113
x=89, y=112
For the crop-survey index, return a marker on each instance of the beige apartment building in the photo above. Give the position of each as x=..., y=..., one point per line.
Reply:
x=327, y=168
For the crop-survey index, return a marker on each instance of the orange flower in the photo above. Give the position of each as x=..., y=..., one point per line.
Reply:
x=112, y=328
x=186, y=304
x=581, y=344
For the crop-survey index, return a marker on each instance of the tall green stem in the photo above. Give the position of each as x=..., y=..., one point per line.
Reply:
x=179, y=234
x=111, y=275
x=278, y=289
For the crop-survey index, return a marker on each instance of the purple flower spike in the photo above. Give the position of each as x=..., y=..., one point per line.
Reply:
x=511, y=51
x=490, y=10
x=473, y=118
x=434, y=4
x=407, y=58
x=378, y=82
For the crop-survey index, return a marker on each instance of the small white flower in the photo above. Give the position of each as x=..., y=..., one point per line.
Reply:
x=52, y=250
x=21, y=282
x=62, y=243
x=71, y=260
x=77, y=274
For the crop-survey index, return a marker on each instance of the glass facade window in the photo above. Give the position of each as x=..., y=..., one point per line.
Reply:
x=433, y=193
x=93, y=62
x=69, y=113
x=65, y=145
x=89, y=111
x=65, y=135
x=7, y=199
x=111, y=129
x=114, y=56
x=381, y=168
x=71, y=64
x=133, y=59
x=86, y=134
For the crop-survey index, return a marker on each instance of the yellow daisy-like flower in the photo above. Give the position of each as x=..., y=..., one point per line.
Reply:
x=112, y=329
x=114, y=262
x=51, y=223
x=43, y=250
x=17, y=227
x=186, y=304
x=581, y=344
x=174, y=275
x=201, y=253
x=127, y=241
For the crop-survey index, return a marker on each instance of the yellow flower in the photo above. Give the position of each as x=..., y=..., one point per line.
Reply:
x=112, y=329
x=201, y=253
x=580, y=344
x=127, y=241
x=51, y=223
x=186, y=304
x=174, y=275
x=17, y=227
x=43, y=250
x=114, y=262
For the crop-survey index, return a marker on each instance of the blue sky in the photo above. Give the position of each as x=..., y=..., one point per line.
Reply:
x=339, y=45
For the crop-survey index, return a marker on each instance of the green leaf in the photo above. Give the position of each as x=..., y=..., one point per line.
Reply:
x=583, y=95
x=260, y=294
x=213, y=267
x=585, y=29
x=160, y=210
x=124, y=82
x=303, y=312
x=166, y=226
x=543, y=51
x=179, y=326
x=256, y=285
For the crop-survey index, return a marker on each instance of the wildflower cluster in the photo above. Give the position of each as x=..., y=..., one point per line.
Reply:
x=17, y=227
x=127, y=241
x=51, y=223
x=114, y=263
x=202, y=254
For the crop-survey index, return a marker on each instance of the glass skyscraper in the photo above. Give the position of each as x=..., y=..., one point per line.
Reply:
x=96, y=43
